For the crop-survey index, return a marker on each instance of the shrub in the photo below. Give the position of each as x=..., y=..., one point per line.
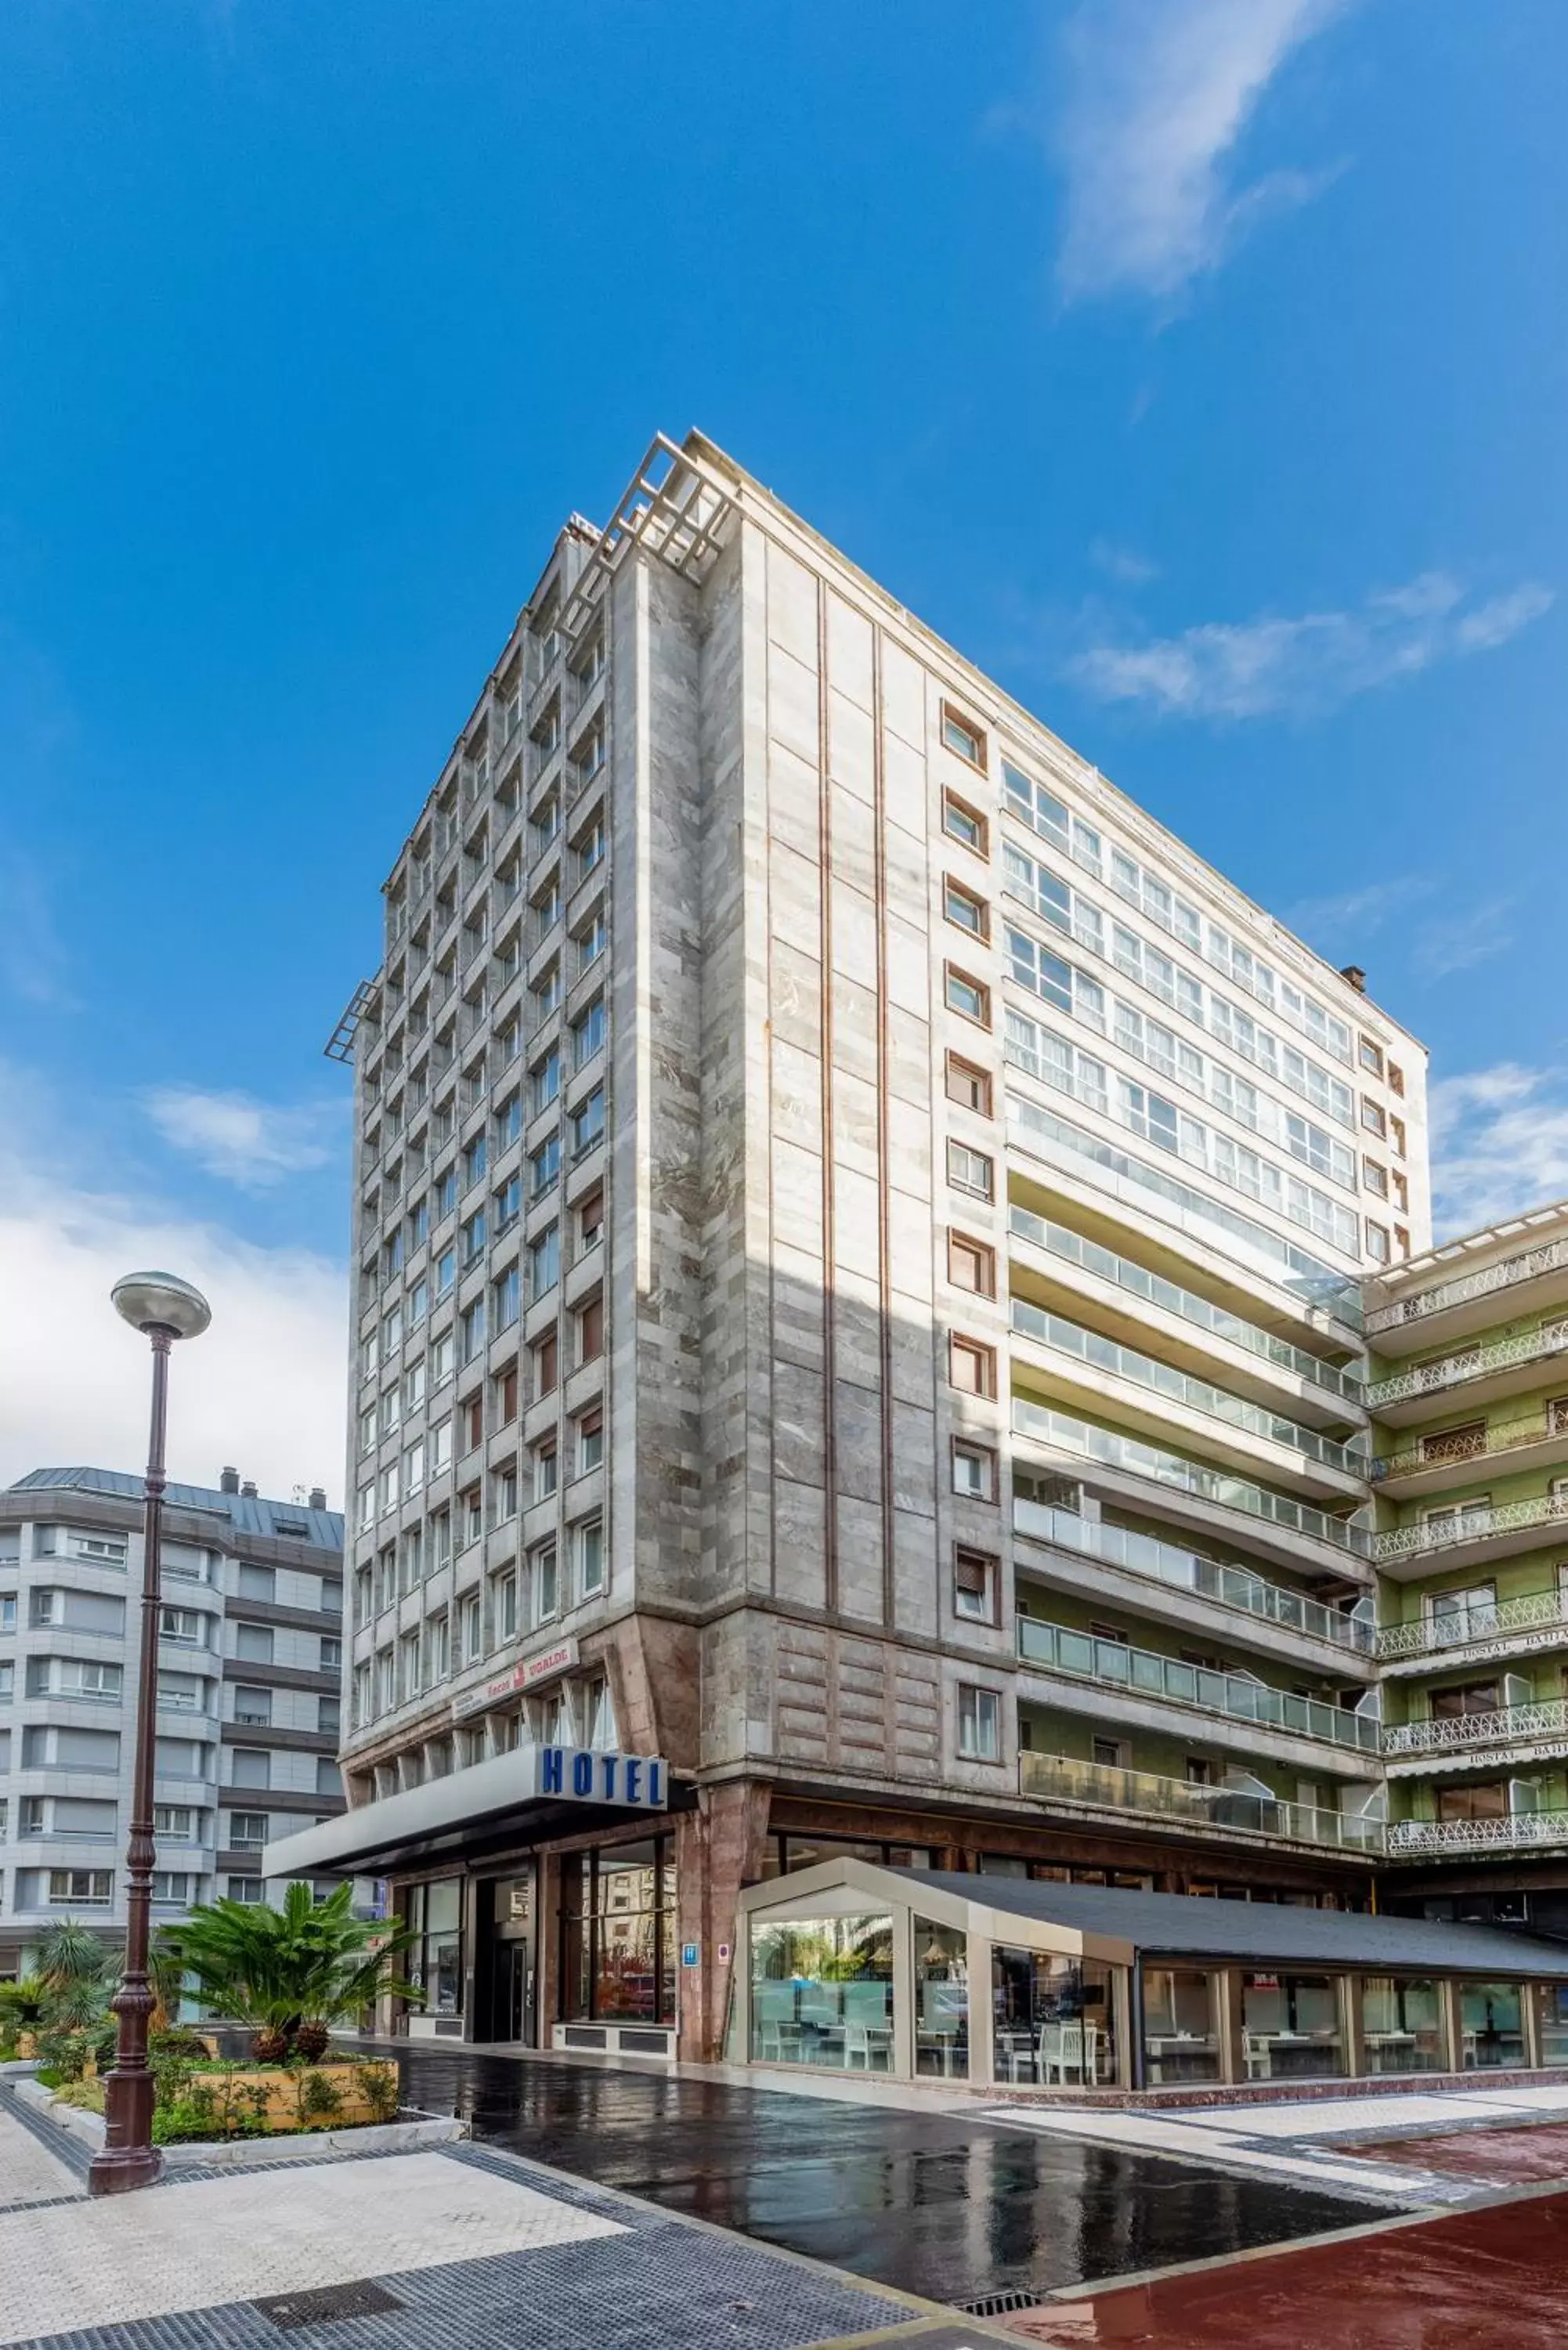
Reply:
x=312, y=2040
x=319, y=2100
x=378, y=2084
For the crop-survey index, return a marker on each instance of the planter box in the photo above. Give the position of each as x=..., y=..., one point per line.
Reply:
x=284, y=2092
x=220, y=2154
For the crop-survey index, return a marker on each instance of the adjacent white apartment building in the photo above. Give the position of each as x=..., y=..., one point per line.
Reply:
x=858, y=1234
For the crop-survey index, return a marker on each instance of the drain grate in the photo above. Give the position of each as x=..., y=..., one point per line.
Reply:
x=326, y=2304
x=998, y=2304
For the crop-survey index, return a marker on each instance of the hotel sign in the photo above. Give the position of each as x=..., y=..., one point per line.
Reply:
x=580, y=1774
x=529, y=1674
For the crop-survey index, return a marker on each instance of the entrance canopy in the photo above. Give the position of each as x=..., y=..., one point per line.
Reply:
x=538, y=1789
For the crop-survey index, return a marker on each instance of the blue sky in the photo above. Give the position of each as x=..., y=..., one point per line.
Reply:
x=1197, y=366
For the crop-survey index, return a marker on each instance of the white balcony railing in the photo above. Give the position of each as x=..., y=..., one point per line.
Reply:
x=1445, y=1530
x=1471, y=1363
x=1476, y=1443
x=1187, y=1570
x=1513, y=1831
x=1431, y=1634
x=1142, y=1672
x=1551, y=1257
x=1506, y=1725
x=1061, y=1779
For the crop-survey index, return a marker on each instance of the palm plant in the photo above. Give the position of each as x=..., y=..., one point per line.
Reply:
x=72, y=1967
x=292, y=1973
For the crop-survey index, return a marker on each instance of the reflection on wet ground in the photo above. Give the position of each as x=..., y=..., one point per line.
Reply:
x=1487, y=2280
x=931, y=2204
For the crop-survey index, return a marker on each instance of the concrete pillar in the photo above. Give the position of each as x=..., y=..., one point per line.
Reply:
x=1228, y=2017
x=719, y=1847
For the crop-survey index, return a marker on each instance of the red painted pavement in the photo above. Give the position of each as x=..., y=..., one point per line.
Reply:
x=1486, y=2280
x=1496, y=2157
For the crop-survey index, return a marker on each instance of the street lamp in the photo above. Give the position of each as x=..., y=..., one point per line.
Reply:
x=164, y=1308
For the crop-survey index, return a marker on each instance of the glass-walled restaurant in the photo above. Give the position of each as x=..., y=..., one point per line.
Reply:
x=852, y=1968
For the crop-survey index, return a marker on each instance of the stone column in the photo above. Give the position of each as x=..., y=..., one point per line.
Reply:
x=718, y=1849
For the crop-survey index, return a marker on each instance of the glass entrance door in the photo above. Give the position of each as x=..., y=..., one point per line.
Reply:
x=507, y=1925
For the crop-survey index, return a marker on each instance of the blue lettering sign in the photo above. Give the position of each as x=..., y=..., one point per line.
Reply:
x=631, y=1776
x=552, y=1772
x=655, y=1782
x=582, y=1774
x=610, y=1761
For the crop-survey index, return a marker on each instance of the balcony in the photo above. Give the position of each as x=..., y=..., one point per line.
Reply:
x=1062, y=1433
x=1480, y=1371
x=1056, y=1779
x=1439, y=1460
x=1533, y=1613
x=1514, y=1832
x=1462, y=1733
x=1186, y=1570
x=1101, y=1354
x=1456, y=1533
x=1153, y=1289
x=1113, y=1664
x=1465, y=1289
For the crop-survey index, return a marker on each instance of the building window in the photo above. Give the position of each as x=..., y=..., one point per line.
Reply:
x=962, y=907
x=545, y=1470
x=979, y=1724
x=962, y=736
x=617, y=1933
x=590, y=1321
x=249, y=1830
x=253, y=1643
x=473, y=1423
x=1377, y=1241
x=967, y=995
x=1396, y=1077
x=506, y=1398
x=590, y=1438
x=252, y=1707
x=1374, y=1178
x=1396, y=1135
x=971, y=1366
x=588, y=1542
x=974, y=1585
x=971, y=1170
x=588, y=1123
x=544, y=1580
x=505, y=1607
x=961, y=822
x=472, y=1631
x=967, y=1086
x=92, y=1887
x=588, y=1033
x=547, y=1365
x=974, y=1471
x=250, y=1766
x=971, y=1265
x=1370, y=1055
x=545, y=1166
x=544, y=1262
x=1371, y=1117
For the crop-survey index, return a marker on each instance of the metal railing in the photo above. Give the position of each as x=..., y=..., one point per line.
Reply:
x=1190, y=1570
x=1058, y=1778
x=1514, y=1832
x=1506, y=1725
x=1470, y=1363
x=1551, y=1257
x=1085, y=1441
x=1155, y=1290
x=1141, y=1671
x=1481, y=1444
x=1495, y=1621
x=1455, y=1526
x=1065, y=1337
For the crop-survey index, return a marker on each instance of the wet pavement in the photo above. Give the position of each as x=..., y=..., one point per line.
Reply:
x=930, y=2203
x=1491, y=2157
x=1492, y=2279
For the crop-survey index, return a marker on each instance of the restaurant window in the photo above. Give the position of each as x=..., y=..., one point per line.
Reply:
x=822, y=1992
x=617, y=1933
x=1055, y=2020
x=1180, y=2038
x=1551, y=2023
x=942, y=2000
x=433, y=1914
x=1491, y=2025
x=1290, y=2026
x=787, y=1853
x=1402, y=2024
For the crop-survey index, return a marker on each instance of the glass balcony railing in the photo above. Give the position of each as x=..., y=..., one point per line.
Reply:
x=1057, y=1778
x=1085, y=1441
x=1143, y=1673
x=1064, y=1337
x=1188, y=1570
x=1155, y=1290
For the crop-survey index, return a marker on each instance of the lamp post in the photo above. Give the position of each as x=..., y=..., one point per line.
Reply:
x=163, y=1308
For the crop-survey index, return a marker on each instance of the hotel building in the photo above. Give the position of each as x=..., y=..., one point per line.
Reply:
x=860, y=1237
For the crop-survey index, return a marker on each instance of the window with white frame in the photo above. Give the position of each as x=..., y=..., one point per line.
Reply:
x=979, y=1723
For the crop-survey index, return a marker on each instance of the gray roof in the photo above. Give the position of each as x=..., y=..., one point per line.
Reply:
x=278, y=1521
x=1179, y=1925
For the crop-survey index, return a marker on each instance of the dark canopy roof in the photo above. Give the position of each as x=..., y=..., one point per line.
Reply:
x=1178, y=1925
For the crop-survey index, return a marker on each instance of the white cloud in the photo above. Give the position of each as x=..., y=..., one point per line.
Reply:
x=1123, y=563
x=1499, y=1144
x=250, y=1143
x=1344, y=922
x=1256, y=668
x=1445, y=946
x=1159, y=93
x=264, y=1387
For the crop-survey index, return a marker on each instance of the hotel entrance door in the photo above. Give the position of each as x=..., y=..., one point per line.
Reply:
x=506, y=1943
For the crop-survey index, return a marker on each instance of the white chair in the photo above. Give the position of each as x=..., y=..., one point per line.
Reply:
x=1016, y=2051
x=1258, y=2054
x=1060, y=2051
